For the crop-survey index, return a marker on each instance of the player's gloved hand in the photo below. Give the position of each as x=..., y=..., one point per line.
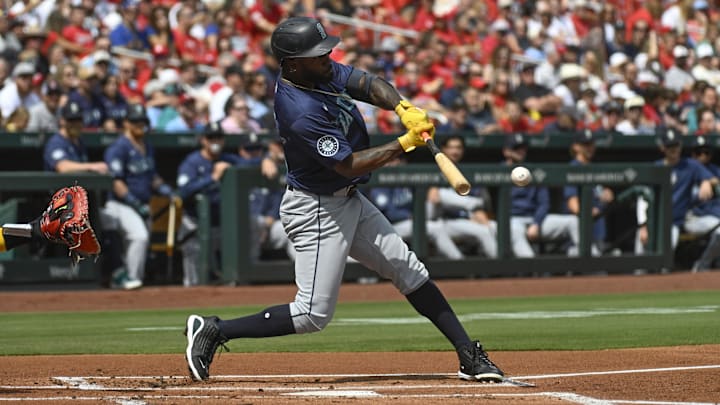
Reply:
x=412, y=116
x=413, y=138
x=141, y=208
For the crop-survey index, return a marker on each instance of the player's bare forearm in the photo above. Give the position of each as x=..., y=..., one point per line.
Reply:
x=365, y=161
x=383, y=94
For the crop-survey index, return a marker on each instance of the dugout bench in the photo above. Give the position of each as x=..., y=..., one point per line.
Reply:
x=235, y=217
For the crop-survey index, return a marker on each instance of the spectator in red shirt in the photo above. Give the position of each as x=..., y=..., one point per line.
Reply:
x=76, y=33
x=189, y=48
x=265, y=15
x=514, y=120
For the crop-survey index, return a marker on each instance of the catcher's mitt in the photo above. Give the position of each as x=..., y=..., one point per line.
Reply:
x=66, y=221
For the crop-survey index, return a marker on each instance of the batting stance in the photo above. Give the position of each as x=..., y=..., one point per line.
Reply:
x=327, y=154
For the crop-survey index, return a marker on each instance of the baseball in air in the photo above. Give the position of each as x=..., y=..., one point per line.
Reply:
x=520, y=176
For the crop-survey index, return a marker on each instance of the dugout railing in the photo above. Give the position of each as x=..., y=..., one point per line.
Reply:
x=237, y=267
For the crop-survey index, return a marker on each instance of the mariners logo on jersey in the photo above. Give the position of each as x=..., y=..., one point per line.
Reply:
x=328, y=146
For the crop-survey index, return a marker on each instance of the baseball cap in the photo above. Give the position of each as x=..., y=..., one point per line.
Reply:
x=513, y=141
x=700, y=142
x=136, y=113
x=233, y=69
x=24, y=69
x=213, y=130
x=250, y=141
x=669, y=137
x=632, y=102
x=617, y=59
x=612, y=106
x=71, y=111
x=680, y=51
x=704, y=50
x=571, y=71
x=101, y=56
x=585, y=136
x=52, y=87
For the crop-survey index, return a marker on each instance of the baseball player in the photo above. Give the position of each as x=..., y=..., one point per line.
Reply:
x=465, y=217
x=65, y=152
x=200, y=173
x=691, y=189
x=530, y=219
x=583, y=151
x=396, y=203
x=327, y=155
x=131, y=160
x=705, y=216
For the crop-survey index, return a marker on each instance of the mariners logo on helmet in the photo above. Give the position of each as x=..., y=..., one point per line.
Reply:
x=328, y=146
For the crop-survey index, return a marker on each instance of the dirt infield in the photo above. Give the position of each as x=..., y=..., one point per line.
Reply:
x=688, y=374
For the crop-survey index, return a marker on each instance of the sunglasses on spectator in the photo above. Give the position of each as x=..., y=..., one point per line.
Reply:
x=240, y=107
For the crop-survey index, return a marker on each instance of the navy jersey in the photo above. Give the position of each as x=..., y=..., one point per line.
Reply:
x=59, y=148
x=685, y=178
x=711, y=207
x=265, y=202
x=530, y=201
x=574, y=191
x=113, y=108
x=195, y=176
x=395, y=203
x=318, y=131
x=92, y=112
x=129, y=165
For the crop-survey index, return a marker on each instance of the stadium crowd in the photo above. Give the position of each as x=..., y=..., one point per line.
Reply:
x=485, y=66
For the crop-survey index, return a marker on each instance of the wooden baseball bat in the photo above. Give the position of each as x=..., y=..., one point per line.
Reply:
x=170, y=237
x=448, y=168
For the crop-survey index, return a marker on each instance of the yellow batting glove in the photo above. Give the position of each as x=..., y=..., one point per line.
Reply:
x=412, y=116
x=413, y=138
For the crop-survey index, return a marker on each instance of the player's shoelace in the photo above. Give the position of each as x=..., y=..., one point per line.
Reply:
x=208, y=341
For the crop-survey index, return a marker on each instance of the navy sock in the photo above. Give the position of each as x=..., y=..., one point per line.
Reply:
x=430, y=303
x=273, y=321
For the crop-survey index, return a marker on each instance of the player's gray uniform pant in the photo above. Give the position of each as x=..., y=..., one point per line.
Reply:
x=271, y=236
x=465, y=229
x=699, y=226
x=190, y=249
x=324, y=231
x=135, y=233
x=553, y=227
x=436, y=233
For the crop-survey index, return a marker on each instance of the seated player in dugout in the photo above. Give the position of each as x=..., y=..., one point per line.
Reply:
x=328, y=153
x=466, y=218
x=530, y=217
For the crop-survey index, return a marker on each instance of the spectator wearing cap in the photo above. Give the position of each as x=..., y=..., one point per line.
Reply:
x=75, y=32
x=572, y=76
x=131, y=160
x=706, y=215
x=113, y=104
x=234, y=83
x=616, y=67
x=530, y=217
x=65, y=151
x=691, y=185
x=130, y=34
x=634, y=122
x=566, y=122
x=536, y=99
x=582, y=150
x=43, y=116
x=238, y=120
x=678, y=77
x=19, y=91
x=101, y=64
x=457, y=119
x=200, y=174
x=612, y=115
x=704, y=69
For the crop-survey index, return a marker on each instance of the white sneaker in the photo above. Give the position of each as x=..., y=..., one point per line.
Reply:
x=131, y=284
x=121, y=281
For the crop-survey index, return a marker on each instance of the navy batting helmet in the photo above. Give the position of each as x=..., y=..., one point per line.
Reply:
x=301, y=37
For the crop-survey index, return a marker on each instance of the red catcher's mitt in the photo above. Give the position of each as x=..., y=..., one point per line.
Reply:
x=66, y=221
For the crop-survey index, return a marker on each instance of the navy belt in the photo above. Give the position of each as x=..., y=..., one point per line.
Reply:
x=341, y=192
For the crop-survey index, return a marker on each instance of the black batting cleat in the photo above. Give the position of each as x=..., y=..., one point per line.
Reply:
x=203, y=337
x=476, y=366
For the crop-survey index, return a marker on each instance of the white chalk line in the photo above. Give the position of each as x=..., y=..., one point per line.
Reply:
x=496, y=315
x=82, y=384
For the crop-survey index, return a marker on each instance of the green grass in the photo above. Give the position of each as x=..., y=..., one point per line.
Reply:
x=108, y=332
